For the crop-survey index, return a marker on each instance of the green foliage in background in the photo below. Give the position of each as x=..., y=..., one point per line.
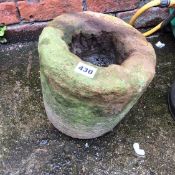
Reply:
x=2, y=34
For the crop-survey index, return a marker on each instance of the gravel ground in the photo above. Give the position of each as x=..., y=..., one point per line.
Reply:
x=30, y=145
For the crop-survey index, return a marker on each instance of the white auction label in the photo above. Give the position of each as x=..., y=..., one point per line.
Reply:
x=86, y=70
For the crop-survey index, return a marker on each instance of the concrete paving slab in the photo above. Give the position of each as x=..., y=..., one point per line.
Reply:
x=30, y=145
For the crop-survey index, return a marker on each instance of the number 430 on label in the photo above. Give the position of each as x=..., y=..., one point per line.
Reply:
x=86, y=70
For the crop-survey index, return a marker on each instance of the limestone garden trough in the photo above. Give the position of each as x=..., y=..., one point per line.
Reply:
x=84, y=106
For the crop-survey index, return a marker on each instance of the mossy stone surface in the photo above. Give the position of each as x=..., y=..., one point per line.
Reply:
x=87, y=108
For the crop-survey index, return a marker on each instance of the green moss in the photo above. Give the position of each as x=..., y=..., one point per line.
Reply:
x=2, y=34
x=78, y=112
x=74, y=110
x=58, y=61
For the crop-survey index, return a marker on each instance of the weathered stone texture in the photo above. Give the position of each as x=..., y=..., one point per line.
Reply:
x=8, y=13
x=150, y=18
x=111, y=5
x=83, y=107
x=13, y=12
x=47, y=9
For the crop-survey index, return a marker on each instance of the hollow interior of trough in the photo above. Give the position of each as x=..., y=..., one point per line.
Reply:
x=100, y=50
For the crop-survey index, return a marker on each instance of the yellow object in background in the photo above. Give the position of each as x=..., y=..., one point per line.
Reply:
x=154, y=3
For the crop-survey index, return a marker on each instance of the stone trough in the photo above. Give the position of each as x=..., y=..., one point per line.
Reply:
x=87, y=107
